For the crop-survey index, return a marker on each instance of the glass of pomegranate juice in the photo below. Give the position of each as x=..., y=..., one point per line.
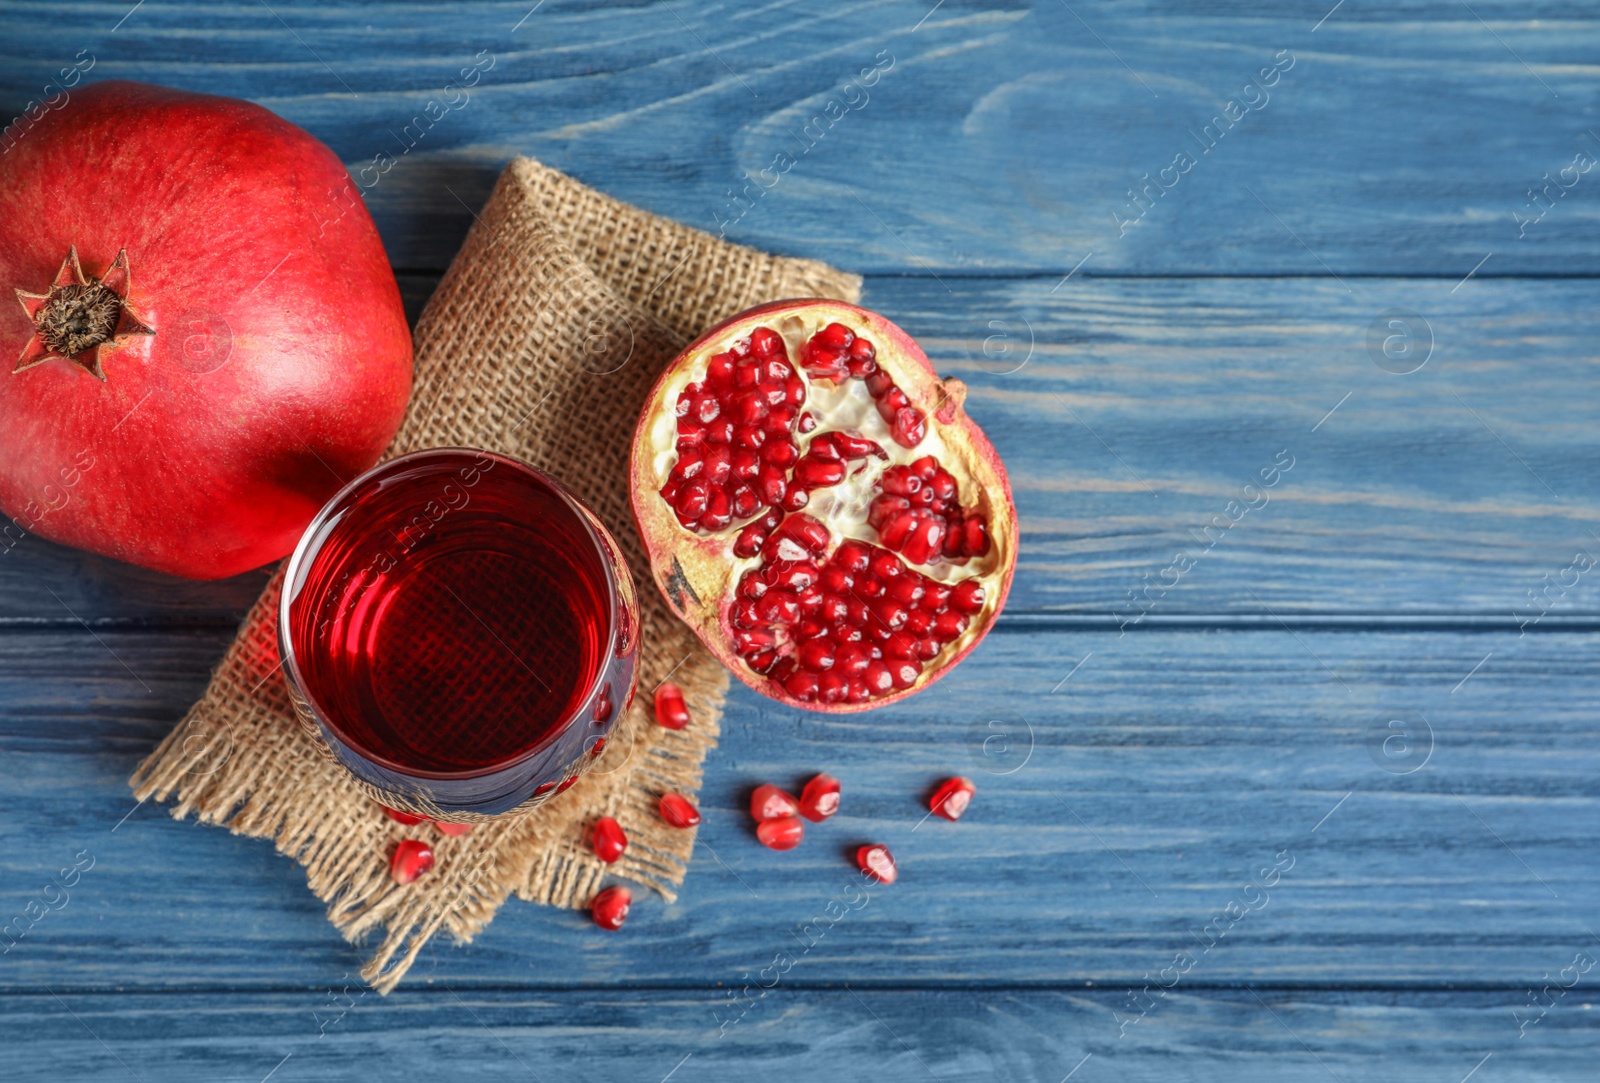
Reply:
x=460, y=631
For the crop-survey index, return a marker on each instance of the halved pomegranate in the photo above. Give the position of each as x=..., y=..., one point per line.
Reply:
x=819, y=509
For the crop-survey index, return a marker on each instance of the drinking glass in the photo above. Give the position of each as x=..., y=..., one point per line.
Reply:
x=460, y=632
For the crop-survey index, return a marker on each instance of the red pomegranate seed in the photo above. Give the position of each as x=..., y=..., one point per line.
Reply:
x=399, y=817
x=817, y=473
x=770, y=803
x=968, y=596
x=904, y=673
x=836, y=336
x=950, y=800
x=671, y=711
x=801, y=685
x=853, y=660
x=766, y=342
x=820, y=798
x=909, y=426
x=677, y=811
x=454, y=829
x=816, y=655
x=877, y=862
x=781, y=834
x=411, y=858
x=609, y=839
x=808, y=532
x=610, y=908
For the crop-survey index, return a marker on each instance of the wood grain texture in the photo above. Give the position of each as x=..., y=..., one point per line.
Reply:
x=1005, y=136
x=1205, y=1036
x=1141, y=796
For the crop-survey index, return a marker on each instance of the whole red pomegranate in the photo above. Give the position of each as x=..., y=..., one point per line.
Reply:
x=818, y=507
x=209, y=341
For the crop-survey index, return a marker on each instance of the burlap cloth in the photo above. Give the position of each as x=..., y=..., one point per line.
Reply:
x=541, y=342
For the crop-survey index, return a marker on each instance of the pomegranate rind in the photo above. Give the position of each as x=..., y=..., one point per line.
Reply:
x=698, y=573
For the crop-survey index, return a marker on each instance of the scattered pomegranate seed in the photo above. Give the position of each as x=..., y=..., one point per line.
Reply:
x=399, y=817
x=820, y=798
x=610, y=908
x=771, y=803
x=877, y=862
x=950, y=800
x=411, y=858
x=781, y=834
x=677, y=811
x=609, y=839
x=671, y=711
x=453, y=829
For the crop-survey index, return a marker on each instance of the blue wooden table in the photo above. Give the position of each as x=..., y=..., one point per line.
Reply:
x=1320, y=799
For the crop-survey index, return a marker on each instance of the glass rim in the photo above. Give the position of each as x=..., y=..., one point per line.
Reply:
x=304, y=556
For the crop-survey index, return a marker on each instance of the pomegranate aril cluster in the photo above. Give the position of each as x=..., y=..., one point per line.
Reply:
x=836, y=352
x=736, y=436
x=857, y=625
x=826, y=462
x=920, y=515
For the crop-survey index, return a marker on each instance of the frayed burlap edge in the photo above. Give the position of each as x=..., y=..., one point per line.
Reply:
x=541, y=342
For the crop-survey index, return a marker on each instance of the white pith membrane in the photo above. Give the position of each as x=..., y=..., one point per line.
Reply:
x=707, y=563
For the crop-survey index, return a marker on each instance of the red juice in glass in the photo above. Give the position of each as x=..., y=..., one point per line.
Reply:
x=460, y=631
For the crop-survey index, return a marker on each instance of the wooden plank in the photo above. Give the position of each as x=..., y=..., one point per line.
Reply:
x=1151, y=780
x=1018, y=1036
x=1001, y=139
x=45, y=585
x=1137, y=417
x=1132, y=413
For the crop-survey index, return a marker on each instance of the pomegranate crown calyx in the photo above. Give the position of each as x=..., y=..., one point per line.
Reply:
x=79, y=319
